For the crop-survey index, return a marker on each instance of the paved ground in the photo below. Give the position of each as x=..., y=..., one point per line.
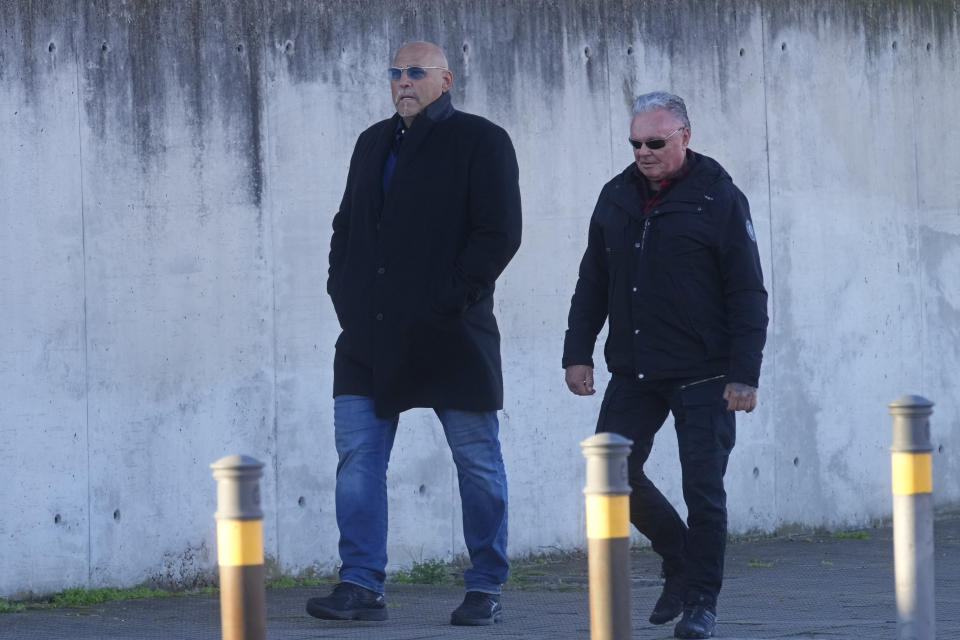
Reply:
x=803, y=586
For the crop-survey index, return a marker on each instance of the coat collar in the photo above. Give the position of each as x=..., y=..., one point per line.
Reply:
x=419, y=130
x=703, y=172
x=437, y=111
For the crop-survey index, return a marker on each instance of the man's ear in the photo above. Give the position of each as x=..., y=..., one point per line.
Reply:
x=447, y=81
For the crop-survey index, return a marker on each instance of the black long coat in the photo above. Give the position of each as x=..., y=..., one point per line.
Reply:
x=412, y=271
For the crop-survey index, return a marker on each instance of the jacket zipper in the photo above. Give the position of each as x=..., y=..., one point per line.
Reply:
x=696, y=382
x=643, y=238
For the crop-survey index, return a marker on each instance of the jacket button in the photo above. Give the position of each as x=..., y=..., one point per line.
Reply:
x=381, y=271
x=636, y=245
x=636, y=331
x=634, y=289
x=639, y=376
x=379, y=316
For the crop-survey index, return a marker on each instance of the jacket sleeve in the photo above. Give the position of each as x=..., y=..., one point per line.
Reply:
x=588, y=307
x=494, y=220
x=745, y=298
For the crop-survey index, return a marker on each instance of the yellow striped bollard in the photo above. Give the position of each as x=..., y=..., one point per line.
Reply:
x=912, y=480
x=243, y=611
x=608, y=535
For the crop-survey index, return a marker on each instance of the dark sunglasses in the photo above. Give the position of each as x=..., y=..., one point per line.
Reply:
x=656, y=143
x=414, y=73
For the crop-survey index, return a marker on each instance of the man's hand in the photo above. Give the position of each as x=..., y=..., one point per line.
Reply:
x=580, y=379
x=739, y=396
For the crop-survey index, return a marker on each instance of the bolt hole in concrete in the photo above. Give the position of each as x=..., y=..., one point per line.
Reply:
x=940, y=449
x=466, y=47
x=52, y=47
x=629, y=51
x=239, y=48
x=929, y=46
x=894, y=45
x=756, y=472
x=796, y=462
x=423, y=489
x=783, y=46
x=116, y=515
x=288, y=47
x=104, y=47
x=56, y=519
x=586, y=51
x=302, y=501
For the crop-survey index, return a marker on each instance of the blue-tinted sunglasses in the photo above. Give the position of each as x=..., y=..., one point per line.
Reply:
x=414, y=73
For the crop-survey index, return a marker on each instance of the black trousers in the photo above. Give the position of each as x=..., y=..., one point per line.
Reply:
x=692, y=552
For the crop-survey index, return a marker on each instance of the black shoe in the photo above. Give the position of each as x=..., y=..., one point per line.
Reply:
x=349, y=601
x=698, y=622
x=668, y=607
x=478, y=608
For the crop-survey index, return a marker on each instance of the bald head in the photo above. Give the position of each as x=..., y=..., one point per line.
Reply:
x=411, y=96
x=425, y=53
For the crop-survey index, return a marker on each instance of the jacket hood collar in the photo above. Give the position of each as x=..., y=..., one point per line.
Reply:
x=703, y=172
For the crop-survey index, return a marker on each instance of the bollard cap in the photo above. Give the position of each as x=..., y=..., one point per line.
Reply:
x=910, y=404
x=911, y=424
x=607, y=472
x=237, y=462
x=238, y=487
x=606, y=440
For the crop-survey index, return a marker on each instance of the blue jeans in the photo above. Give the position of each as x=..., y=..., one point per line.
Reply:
x=364, y=442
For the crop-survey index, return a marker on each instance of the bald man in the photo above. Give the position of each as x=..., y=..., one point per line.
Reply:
x=429, y=219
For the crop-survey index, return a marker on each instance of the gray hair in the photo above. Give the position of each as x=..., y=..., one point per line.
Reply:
x=662, y=100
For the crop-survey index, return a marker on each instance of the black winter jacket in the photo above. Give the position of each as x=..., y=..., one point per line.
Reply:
x=412, y=271
x=681, y=285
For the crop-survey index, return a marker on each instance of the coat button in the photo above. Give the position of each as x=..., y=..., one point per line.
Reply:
x=381, y=271
x=639, y=376
x=636, y=245
x=634, y=289
x=636, y=331
x=379, y=316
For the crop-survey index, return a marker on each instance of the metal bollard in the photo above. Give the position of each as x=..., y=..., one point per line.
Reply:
x=608, y=535
x=243, y=611
x=912, y=479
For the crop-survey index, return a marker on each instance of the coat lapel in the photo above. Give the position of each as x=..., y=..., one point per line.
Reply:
x=379, y=157
x=413, y=140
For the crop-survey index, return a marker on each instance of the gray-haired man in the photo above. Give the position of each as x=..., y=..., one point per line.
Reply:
x=672, y=265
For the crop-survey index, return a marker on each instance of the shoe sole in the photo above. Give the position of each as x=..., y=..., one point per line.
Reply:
x=324, y=613
x=663, y=619
x=476, y=622
x=691, y=635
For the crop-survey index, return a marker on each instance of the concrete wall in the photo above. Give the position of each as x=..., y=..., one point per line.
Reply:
x=169, y=171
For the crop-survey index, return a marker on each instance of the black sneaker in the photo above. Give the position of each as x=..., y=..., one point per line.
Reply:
x=349, y=601
x=698, y=621
x=669, y=606
x=478, y=609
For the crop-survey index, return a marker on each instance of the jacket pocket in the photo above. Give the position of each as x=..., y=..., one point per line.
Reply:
x=450, y=297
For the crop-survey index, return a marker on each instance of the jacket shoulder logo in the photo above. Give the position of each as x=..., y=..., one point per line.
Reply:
x=750, y=231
